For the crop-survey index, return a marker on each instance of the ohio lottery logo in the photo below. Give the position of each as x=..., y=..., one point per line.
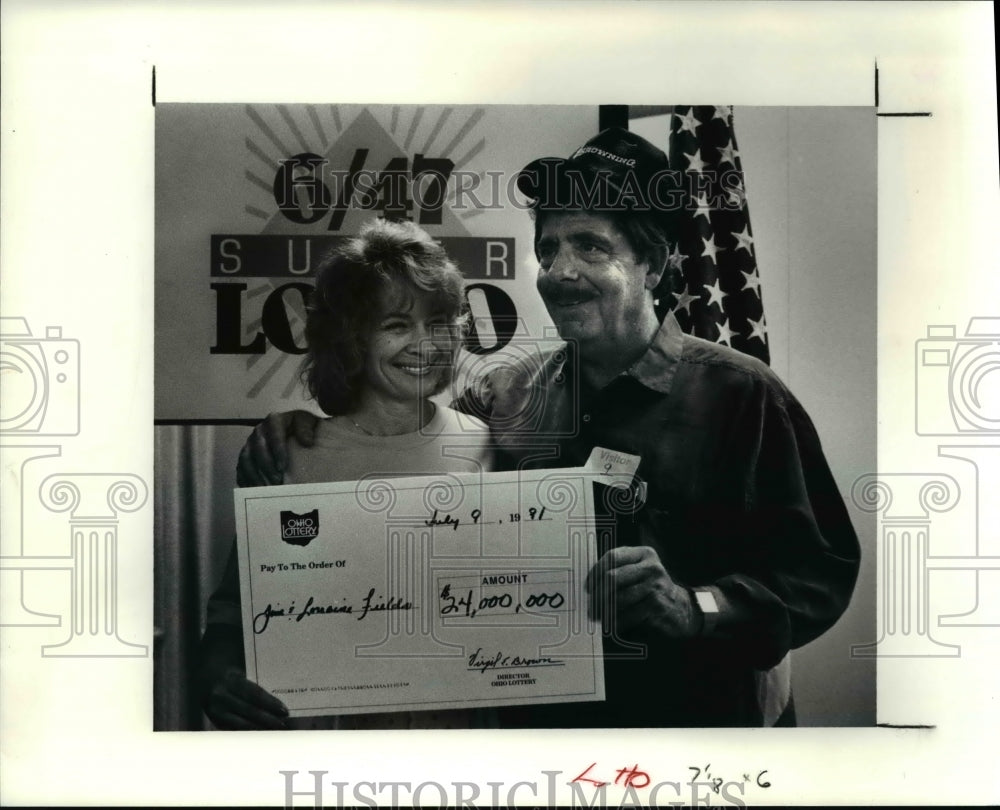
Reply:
x=299, y=530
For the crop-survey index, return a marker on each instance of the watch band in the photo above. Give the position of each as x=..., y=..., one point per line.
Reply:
x=709, y=609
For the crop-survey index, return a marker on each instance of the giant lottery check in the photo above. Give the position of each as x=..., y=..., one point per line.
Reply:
x=433, y=592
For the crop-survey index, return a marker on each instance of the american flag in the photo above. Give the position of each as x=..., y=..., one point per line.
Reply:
x=721, y=299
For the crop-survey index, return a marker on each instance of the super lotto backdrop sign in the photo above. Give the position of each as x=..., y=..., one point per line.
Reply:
x=249, y=198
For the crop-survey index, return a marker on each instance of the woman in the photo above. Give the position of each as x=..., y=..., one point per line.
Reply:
x=382, y=332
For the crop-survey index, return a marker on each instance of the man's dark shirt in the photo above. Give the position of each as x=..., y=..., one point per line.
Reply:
x=738, y=495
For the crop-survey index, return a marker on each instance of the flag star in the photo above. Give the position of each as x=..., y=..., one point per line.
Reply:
x=725, y=333
x=752, y=282
x=688, y=121
x=715, y=294
x=704, y=208
x=711, y=248
x=722, y=111
x=728, y=153
x=695, y=163
x=758, y=329
x=684, y=300
x=676, y=258
x=744, y=239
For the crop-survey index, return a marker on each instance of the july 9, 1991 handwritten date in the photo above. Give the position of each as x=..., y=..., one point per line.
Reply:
x=421, y=592
x=532, y=513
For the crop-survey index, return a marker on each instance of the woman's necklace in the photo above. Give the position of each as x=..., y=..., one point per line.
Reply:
x=362, y=429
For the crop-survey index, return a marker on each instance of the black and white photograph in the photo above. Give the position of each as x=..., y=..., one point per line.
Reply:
x=599, y=278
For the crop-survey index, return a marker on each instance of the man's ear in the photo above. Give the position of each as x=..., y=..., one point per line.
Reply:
x=656, y=265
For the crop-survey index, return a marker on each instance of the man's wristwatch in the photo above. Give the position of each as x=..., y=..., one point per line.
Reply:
x=705, y=604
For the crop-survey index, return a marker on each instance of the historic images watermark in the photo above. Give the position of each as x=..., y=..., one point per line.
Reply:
x=595, y=786
x=41, y=380
x=957, y=395
x=306, y=189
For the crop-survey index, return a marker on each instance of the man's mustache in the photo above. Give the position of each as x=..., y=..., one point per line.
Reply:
x=563, y=294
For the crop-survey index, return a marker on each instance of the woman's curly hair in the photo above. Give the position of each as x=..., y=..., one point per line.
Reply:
x=342, y=310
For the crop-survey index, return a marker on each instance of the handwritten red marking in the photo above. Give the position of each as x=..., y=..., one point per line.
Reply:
x=627, y=777
x=631, y=776
x=583, y=777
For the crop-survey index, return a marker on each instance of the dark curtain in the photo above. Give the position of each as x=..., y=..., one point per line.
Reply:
x=193, y=479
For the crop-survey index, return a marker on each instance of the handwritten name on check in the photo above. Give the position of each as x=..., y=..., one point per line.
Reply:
x=431, y=592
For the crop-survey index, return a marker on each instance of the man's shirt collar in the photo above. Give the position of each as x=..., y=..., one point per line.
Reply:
x=657, y=367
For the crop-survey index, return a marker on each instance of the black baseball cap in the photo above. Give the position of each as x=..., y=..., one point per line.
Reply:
x=615, y=171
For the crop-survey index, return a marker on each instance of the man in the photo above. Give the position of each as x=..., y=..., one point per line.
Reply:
x=740, y=547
